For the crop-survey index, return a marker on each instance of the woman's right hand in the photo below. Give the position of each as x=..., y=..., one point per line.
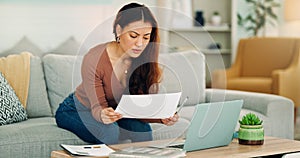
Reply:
x=108, y=115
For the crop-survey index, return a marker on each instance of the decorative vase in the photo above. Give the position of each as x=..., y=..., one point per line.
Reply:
x=216, y=20
x=199, y=19
x=251, y=135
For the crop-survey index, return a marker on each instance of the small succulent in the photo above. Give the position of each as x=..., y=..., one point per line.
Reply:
x=250, y=119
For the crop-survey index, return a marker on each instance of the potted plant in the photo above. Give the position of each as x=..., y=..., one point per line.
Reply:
x=216, y=18
x=251, y=130
x=262, y=11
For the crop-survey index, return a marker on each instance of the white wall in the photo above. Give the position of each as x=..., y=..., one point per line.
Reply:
x=288, y=28
x=49, y=23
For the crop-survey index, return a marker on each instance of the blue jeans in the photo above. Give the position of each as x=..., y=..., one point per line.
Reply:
x=75, y=117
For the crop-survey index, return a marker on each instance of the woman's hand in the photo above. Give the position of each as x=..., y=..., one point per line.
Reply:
x=108, y=115
x=171, y=120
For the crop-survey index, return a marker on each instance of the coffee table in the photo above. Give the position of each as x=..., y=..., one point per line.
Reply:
x=275, y=147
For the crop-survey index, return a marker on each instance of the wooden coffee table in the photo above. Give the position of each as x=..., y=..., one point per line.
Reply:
x=272, y=146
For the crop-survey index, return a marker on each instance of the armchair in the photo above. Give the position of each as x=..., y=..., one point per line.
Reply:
x=185, y=71
x=267, y=65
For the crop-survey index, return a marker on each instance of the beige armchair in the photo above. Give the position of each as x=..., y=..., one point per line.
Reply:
x=266, y=65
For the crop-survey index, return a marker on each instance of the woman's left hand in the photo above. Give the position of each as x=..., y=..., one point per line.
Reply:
x=171, y=120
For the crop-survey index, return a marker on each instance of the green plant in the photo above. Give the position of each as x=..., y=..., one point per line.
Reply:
x=216, y=13
x=261, y=12
x=250, y=119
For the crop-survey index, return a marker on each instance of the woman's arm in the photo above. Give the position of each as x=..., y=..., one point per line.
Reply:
x=167, y=121
x=92, y=82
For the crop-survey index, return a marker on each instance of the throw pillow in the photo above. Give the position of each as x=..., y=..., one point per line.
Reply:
x=69, y=47
x=37, y=102
x=61, y=82
x=11, y=109
x=24, y=45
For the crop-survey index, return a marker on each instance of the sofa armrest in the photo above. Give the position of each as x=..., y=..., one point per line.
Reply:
x=279, y=110
x=218, y=79
x=286, y=82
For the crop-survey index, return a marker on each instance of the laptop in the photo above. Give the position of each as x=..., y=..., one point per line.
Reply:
x=212, y=125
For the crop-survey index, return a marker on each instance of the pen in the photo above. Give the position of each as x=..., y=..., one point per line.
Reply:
x=90, y=147
x=180, y=106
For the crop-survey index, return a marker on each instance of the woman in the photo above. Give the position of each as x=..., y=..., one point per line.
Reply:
x=125, y=66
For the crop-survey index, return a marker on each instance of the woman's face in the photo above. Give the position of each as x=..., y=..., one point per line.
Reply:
x=135, y=37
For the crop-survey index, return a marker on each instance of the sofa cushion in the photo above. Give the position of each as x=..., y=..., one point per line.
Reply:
x=25, y=44
x=69, y=47
x=11, y=109
x=35, y=137
x=37, y=101
x=62, y=74
x=251, y=84
x=184, y=71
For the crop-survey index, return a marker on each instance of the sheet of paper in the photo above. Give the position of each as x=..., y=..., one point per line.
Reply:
x=100, y=150
x=153, y=106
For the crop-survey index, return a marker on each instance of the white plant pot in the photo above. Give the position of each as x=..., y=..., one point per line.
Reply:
x=216, y=20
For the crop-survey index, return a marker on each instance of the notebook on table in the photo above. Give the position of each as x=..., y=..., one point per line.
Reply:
x=212, y=125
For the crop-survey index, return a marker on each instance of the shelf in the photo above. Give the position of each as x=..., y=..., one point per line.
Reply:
x=216, y=51
x=208, y=28
x=204, y=51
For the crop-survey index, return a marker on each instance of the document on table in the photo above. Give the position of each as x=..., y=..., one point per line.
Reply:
x=152, y=106
x=100, y=150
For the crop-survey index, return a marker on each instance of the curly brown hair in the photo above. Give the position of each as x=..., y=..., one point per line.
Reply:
x=145, y=73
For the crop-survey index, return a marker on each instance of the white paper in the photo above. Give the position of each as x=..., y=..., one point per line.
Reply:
x=100, y=150
x=154, y=106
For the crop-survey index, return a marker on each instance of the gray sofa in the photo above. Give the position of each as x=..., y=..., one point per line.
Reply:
x=53, y=77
